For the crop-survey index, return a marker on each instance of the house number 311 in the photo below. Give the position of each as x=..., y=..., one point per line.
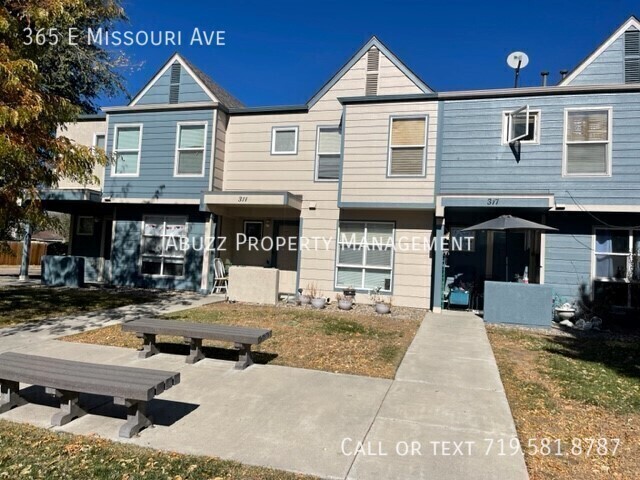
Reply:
x=492, y=201
x=242, y=199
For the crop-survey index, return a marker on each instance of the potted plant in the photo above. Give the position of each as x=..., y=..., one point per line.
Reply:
x=381, y=303
x=563, y=311
x=303, y=299
x=317, y=300
x=344, y=302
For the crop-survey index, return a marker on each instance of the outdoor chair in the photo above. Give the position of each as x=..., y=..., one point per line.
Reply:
x=221, y=280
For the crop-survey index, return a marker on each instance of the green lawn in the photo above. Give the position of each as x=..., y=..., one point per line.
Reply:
x=28, y=304
x=28, y=452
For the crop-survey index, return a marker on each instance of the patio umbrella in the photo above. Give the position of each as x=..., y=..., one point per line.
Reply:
x=508, y=223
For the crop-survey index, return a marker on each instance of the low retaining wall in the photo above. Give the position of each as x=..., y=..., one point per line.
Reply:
x=518, y=303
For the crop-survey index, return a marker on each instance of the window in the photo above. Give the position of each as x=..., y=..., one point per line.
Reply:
x=407, y=146
x=365, y=255
x=190, y=150
x=522, y=127
x=462, y=241
x=161, y=251
x=128, y=139
x=587, y=142
x=84, y=226
x=616, y=270
x=253, y=229
x=99, y=141
x=284, y=141
x=328, y=147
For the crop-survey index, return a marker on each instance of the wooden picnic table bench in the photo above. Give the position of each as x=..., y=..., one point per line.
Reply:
x=194, y=333
x=66, y=379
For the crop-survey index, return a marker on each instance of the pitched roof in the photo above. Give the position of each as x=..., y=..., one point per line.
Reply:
x=632, y=21
x=213, y=89
x=220, y=93
x=372, y=42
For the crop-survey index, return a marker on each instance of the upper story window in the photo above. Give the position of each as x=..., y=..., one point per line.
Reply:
x=190, y=150
x=284, y=141
x=587, y=149
x=127, y=146
x=522, y=125
x=99, y=140
x=408, y=146
x=328, y=146
x=632, y=56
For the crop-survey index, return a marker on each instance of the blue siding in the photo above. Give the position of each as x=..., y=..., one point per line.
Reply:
x=190, y=91
x=125, y=257
x=607, y=68
x=473, y=159
x=156, y=178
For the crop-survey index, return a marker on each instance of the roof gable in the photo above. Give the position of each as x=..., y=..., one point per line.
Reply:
x=195, y=86
x=606, y=63
x=373, y=42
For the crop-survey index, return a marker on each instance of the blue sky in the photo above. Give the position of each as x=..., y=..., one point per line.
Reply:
x=281, y=52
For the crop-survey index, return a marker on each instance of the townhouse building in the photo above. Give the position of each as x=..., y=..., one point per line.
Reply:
x=378, y=156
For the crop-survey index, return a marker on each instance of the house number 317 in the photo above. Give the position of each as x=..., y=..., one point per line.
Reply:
x=492, y=201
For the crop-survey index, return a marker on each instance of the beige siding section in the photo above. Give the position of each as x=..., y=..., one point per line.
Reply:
x=249, y=165
x=391, y=80
x=221, y=139
x=364, y=170
x=82, y=133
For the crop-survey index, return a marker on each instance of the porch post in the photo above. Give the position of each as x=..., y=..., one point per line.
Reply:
x=26, y=251
x=437, y=266
x=207, y=254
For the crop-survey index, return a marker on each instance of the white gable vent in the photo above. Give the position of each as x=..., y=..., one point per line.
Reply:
x=373, y=65
x=632, y=56
x=174, y=84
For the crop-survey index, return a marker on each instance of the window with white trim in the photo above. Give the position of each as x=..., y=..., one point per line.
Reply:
x=284, y=141
x=364, y=259
x=616, y=260
x=190, y=150
x=161, y=250
x=587, y=142
x=523, y=127
x=126, y=150
x=407, y=146
x=328, y=148
x=99, y=141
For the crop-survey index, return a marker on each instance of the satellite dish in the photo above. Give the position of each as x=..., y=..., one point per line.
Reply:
x=517, y=60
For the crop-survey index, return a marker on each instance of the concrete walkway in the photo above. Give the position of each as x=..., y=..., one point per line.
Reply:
x=330, y=425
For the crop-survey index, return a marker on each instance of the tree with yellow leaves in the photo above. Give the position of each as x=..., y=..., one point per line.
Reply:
x=43, y=85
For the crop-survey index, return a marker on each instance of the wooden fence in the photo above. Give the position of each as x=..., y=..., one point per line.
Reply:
x=38, y=250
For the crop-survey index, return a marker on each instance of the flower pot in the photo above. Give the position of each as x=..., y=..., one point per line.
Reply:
x=382, y=308
x=565, y=313
x=304, y=299
x=318, y=302
x=345, y=304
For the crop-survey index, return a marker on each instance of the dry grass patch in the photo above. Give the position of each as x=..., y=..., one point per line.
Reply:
x=358, y=342
x=565, y=388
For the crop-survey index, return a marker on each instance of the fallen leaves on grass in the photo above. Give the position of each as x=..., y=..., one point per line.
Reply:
x=569, y=390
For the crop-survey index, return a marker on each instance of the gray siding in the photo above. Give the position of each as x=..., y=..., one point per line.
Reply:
x=474, y=160
x=190, y=91
x=607, y=68
x=125, y=256
x=156, y=179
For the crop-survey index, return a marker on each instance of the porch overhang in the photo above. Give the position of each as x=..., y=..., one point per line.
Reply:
x=534, y=201
x=218, y=202
x=71, y=200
